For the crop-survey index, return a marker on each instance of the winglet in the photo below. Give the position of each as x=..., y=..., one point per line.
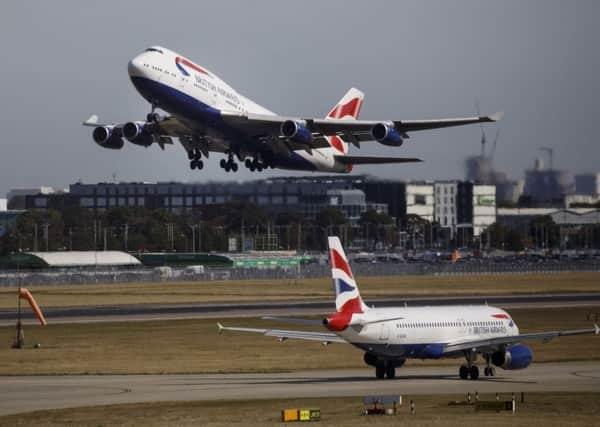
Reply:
x=92, y=121
x=497, y=116
x=221, y=328
x=597, y=328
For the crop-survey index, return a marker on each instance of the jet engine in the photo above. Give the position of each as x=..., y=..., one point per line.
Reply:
x=108, y=137
x=296, y=131
x=137, y=133
x=386, y=135
x=515, y=357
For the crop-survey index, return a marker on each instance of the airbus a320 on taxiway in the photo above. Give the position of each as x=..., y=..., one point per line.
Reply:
x=208, y=116
x=390, y=336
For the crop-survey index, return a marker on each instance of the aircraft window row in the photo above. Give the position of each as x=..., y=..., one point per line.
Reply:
x=151, y=49
x=448, y=324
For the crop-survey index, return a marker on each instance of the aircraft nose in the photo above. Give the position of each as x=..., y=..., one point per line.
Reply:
x=135, y=66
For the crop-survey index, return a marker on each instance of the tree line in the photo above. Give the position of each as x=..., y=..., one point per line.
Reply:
x=138, y=229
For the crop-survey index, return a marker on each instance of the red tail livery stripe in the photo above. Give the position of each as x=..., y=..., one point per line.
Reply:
x=350, y=108
x=337, y=261
x=336, y=143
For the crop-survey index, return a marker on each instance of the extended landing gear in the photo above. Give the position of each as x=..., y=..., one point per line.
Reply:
x=390, y=371
x=385, y=369
x=470, y=369
x=465, y=372
x=195, y=156
x=380, y=370
x=229, y=164
x=153, y=117
x=255, y=165
x=489, y=370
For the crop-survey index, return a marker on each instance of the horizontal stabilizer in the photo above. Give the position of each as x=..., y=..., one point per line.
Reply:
x=312, y=322
x=370, y=160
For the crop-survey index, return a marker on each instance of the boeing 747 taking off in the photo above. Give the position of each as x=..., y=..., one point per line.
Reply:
x=207, y=115
x=389, y=336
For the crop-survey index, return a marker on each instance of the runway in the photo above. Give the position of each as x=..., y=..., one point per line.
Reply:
x=24, y=394
x=141, y=312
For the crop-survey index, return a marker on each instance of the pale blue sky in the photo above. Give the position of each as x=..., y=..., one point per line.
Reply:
x=537, y=60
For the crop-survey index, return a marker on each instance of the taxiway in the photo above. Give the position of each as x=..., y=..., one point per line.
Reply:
x=23, y=394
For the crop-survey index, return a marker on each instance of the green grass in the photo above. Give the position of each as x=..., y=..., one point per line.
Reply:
x=193, y=346
x=302, y=289
x=539, y=409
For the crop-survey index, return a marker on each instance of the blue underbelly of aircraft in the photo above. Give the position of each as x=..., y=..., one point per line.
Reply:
x=180, y=104
x=405, y=351
x=176, y=102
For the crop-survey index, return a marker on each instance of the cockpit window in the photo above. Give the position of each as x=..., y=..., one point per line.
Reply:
x=152, y=49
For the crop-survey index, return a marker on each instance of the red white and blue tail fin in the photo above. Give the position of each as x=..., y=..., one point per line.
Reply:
x=347, y=296
x=348, y=108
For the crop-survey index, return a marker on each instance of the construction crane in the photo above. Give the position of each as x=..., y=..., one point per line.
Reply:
x=550, y=152
x=484, y=138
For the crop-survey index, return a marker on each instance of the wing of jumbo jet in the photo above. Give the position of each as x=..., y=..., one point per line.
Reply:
x=311, y=132
x=283, y=334
x=265, y=136
x=494, y=343
x=110, y=135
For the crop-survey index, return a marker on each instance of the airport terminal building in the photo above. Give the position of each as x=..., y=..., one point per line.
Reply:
x=451, y=204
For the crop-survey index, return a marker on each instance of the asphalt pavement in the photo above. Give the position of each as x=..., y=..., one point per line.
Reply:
x=24, y=394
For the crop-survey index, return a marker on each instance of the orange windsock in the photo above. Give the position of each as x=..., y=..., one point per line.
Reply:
x=25, y=294
x=455, y=256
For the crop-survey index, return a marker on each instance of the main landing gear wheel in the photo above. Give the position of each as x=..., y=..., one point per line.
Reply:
x=463, y=372
x=474, y=372
x=489, y=371
x=229, y=164
x=385, y=369
x=196, y=164
x=380, y=370
x=390, y=370
x=195, y=155
x=255, y=164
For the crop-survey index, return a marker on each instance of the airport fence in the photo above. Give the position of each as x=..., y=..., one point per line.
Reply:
x=307, y=271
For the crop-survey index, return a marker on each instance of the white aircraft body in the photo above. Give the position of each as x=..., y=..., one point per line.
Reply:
x=207, y=115
x=389, y=336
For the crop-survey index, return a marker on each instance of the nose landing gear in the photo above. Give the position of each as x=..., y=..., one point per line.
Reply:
x=152, y=116
x=489, y=370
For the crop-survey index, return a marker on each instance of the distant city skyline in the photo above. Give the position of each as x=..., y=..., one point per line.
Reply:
x=535, y=60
